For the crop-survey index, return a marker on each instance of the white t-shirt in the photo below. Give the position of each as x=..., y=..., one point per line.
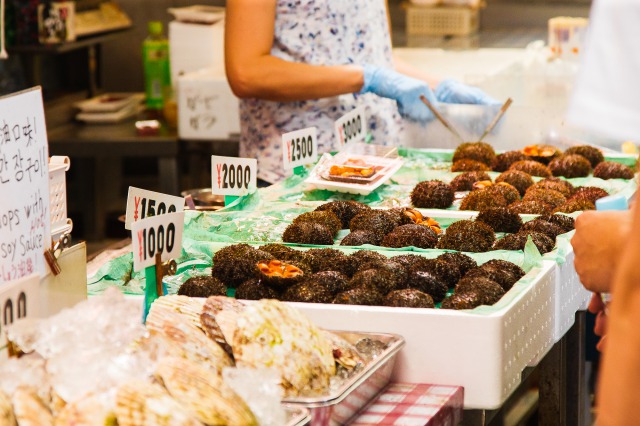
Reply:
x=321, y=32
x=606, y=97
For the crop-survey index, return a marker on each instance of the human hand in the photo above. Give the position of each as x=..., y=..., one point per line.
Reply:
x=453, y=92
x=406, y=91
x=597, y=244
x=597, y=307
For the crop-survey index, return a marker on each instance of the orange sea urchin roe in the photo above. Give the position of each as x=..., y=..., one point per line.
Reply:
x=277, y=268
x=539, y=150
x=347, y=171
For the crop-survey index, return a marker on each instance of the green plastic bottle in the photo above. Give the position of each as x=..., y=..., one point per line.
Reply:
x=155, y=56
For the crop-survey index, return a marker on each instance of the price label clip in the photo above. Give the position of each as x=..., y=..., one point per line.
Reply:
x=51, y=255
x=154, y=287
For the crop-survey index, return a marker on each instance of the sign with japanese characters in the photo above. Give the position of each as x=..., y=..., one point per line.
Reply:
x=142, y=204
x=25, y=217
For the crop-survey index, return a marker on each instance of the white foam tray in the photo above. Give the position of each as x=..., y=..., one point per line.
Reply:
x=485, y=354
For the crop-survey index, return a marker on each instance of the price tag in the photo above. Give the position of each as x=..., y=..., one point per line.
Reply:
x=19, y=299
x=25, y=209
x=299, y=148
x=159, y=234
x=142, y=204
x=351, y=127
x=232, y=175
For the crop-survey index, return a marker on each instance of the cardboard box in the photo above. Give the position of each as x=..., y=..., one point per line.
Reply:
x=193, y=47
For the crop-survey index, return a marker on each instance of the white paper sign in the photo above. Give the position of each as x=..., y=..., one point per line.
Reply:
x=142, y=204
x=299, y=148
x=159, y=234
x=25, y=216
x=18, y=300
x=232, y=175
x=351, y=127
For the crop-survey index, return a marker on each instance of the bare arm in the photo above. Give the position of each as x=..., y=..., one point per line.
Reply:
x=254, y=73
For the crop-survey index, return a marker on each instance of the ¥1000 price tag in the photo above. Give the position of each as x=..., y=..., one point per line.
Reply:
x=232, y=175
x=159, y=234
x=351, y=127
x=19, y=299
x=142, y=204
x=299, y=148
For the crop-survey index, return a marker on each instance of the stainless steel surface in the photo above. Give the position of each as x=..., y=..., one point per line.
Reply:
x=204, y=199
x=297, y=415
x=440, y=118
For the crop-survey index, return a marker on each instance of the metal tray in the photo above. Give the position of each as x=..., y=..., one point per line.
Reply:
x=297, y=415
x=357, y=391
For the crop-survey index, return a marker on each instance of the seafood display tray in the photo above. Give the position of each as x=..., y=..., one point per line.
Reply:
x=357, y=391
x=296, y=415
x=485, y=352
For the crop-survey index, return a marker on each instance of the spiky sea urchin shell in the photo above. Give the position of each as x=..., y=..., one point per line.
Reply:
x=410, y=235
x=447, y=272
x=482, y=199
x=518, y=179
x=551, y=230
x=530, y=207
x=501, y=219
x=531, y=167
x=503, y=277
x=432, y=194
x=491, y=290
x=202, y=286
x=567, y=223
x=361, y=237
x=255, y=289
x=593, y=154
x=359, y=296
x=409, y=298
x=517, y=271
x=570, y=166
x=410, y=260
x=325, y=218
x=466, y=235
x=378, y=221
x=331, y=280
x=612, y=170
x=517, y=241
x=588, y=193
x=508, y=191
x=468, y=165
x=236, y=263
x=503, y=161
x=382, y=280
x=367, y=256
x=477, y=151
x=345, y=210
x=307, y=233
x=461, y=261
x=575, y=205
x=465, y=181
x=328, y=259
x=469, y=300
x=428, y=282
x=562, y=186
x=547, y=196
x=307, y=292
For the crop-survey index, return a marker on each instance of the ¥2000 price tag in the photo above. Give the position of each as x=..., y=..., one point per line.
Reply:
x=351, y=127
x=233, y=176
x=299, y=148
x=142, y=204
x=19, y=299
x=159, y=234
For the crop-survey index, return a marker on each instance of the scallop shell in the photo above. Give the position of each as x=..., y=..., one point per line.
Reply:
x=29, y=409
x=203, y=393
x=6, y=412
x=273, y=334
x=218, y=319
x=140, y=404
x=344, y=352
x=188, y=307
x=93, y=410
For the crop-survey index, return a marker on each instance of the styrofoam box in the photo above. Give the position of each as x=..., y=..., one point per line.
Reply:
x=207, y=109
x=484, y=353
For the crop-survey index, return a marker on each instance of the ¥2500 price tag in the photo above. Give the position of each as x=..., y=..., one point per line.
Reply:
x=299, y=148
x=142, y=204
x=159, y=234
x=233, y=176
x=19, y=299
x=351, y=127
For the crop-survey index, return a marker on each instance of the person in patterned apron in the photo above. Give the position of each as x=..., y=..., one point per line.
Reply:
x=302, y=63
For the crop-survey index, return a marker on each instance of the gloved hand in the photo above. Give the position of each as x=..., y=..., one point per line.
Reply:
x=404, y=90
x=451, y=91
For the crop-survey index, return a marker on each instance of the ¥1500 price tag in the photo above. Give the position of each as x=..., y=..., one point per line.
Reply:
x=351, y=127
x=142, y=204
x=299, y=148
x=19, y=299
x=159, y=234
x=232, y=175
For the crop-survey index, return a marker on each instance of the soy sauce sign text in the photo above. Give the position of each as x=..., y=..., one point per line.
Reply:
x=351, y=127
x=233, y=176
x=142, y=204
x=299, y=148
x=156, y=235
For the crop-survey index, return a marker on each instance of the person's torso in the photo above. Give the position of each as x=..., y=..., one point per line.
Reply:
x=321, y=32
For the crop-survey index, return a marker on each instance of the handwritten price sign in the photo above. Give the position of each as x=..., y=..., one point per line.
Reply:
x=142, y=204
x=351, y=127
x=18, y=300
x=233, y=176
x=299, y=148
x=159, y=234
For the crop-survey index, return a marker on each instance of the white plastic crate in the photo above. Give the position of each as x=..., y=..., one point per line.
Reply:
x=441, y=20
x=486, y=354
x=571, y=296
x=60, y=224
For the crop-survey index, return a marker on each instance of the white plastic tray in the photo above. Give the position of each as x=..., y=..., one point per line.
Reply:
x=485, y=354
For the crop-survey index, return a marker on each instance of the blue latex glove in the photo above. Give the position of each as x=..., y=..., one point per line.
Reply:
x=404, y=90
x=451, y=91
